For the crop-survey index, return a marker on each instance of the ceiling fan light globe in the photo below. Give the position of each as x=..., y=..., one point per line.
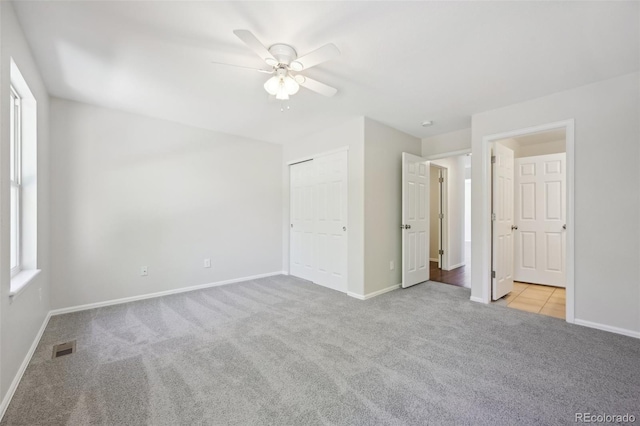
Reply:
x=282, y=95
x=296, y=66
x=272, y=85
x=271, y=62
x=291, y=86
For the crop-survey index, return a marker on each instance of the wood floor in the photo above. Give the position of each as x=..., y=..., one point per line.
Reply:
x=460, y=276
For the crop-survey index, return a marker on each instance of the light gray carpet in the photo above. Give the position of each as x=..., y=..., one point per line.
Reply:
x=282, y=351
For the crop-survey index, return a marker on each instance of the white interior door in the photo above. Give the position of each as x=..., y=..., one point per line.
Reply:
x=302, y=197
x=503, y=221
x=318, y=216
x=415, y=220
x=331, y=220
x=540, y=212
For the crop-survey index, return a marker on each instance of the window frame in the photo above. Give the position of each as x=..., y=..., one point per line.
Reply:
x=15, y=177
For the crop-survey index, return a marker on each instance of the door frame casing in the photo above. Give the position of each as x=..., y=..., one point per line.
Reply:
x=484, y=274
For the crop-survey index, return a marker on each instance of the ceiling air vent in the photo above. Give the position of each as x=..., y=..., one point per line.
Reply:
x=63, y=349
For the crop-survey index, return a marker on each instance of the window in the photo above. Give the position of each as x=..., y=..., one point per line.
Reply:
x=15, y=178
x=23, y=178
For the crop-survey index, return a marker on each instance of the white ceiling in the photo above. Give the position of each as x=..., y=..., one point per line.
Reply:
x=401, y=62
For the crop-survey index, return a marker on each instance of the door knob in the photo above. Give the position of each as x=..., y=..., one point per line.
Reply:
x=564, y=226
x=407, y=227
x=344, y=228
x=513, y=227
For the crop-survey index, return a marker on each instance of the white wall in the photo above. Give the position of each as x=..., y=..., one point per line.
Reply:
x=454, y=250
x=530, y=150
x=349, y=134
x=459, y=140
x=383, y=148
x=544, y=148
x=22, y=316
x=607, y=205
x=132, y=191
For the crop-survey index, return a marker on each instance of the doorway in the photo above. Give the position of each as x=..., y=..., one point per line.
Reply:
x=438, y=215
x=447, y=249
x=467, y=210
x=531, y=200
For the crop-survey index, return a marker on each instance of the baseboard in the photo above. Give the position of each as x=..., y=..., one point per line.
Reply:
x=374, y=294
x=158, y=294
x=455, y=266
x=284, y=273
x=356, y=295
x=23, y=367
x=477, y=299
x=609, y=328
x=433, y=260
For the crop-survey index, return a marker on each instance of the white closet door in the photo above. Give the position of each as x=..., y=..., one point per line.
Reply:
x=415, y=219
x=331, y=220
x=302, y=212
x=541, y=216
x=318, y=211
x=503, y=221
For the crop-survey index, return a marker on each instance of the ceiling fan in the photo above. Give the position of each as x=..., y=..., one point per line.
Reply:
x=284, y=62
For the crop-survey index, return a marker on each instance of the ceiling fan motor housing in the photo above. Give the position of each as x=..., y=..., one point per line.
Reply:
x=283, y=53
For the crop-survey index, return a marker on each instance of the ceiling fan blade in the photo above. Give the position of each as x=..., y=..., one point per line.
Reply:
x=316, y=86
x=240, y=66
x=254, y=44
x=322, y=54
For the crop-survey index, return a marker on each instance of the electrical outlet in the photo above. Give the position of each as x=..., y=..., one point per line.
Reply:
x=392, y=265
x=144, y=271
x=207, y=263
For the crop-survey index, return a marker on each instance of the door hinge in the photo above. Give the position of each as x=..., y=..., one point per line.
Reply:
x=493, y=216
x=440, y=179
x=493, y=274
x=441, y=216
x=440, y=251
x=493, y=159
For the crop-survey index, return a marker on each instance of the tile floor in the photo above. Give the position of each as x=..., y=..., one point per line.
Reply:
x=540, y=299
